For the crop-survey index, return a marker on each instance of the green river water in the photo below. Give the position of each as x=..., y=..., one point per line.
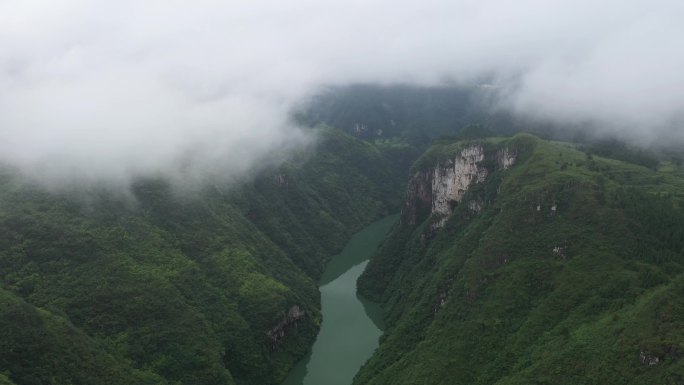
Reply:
x=351, y=325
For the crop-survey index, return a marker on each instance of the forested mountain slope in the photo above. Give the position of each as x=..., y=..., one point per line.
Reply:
x=523, y=261
x=415, y=113
x=421, y=114
x=214, y=287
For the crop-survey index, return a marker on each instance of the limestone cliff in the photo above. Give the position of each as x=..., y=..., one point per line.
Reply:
x=443, y=186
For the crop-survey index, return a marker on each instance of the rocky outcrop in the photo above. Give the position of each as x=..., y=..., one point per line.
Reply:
x=648, y=359
x=280, y=331
x=559, y=251
x=506, y=158
x=281, y=180
x=442, y=188
x=441, y=302
x=418, y=197
x=475, y=206
x=451, y=179
x=662, y=353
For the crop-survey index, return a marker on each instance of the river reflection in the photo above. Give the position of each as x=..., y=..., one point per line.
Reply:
x=351, y=324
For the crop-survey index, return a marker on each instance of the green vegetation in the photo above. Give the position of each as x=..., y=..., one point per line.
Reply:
x=572, y=273
x=36, y=342
x=421, y=114
x=167, y=287
x=5, y=381
x=417, y=114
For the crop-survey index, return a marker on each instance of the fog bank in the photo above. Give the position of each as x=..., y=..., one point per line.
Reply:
x=119, y=89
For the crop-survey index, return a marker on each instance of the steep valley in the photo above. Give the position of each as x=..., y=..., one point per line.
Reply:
x=216, y=286
x=433, y=192
x=516, y=260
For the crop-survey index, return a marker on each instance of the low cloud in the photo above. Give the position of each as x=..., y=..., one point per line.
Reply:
x=118, y=89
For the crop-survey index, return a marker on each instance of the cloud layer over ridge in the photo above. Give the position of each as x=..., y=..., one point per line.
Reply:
x=114, y=89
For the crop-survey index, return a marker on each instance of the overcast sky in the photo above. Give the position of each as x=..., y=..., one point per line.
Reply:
x=116, y=88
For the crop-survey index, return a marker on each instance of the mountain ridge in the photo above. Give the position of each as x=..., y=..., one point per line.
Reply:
x=173, y=288
x=564, y=246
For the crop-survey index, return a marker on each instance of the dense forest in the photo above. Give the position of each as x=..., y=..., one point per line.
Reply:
x=564, y=268
x=560, y=263
x=384, y=192
x=162, y=286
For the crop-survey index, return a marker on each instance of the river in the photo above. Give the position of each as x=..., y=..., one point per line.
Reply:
x=351, y=325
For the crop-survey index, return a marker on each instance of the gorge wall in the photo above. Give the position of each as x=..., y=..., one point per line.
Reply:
x=439, y=189
x=523, y=261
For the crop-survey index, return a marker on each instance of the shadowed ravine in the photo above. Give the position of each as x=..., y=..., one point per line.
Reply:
x=351, y=325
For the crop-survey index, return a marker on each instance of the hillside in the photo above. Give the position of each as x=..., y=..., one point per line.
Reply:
x=166, y=287
x=524, y=261
x=420, y=114
x=416, y=113
x=517, y=261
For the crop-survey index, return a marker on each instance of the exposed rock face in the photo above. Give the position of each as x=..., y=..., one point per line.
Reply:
x=648, y=359
x=359, y=128
x=559, y=251
x=451, y=179
x=281, y=180
x=506, y=158
x=442, y=188
x=441, y=302
x=280, y=331
x=475, y=206
x=418, y=197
